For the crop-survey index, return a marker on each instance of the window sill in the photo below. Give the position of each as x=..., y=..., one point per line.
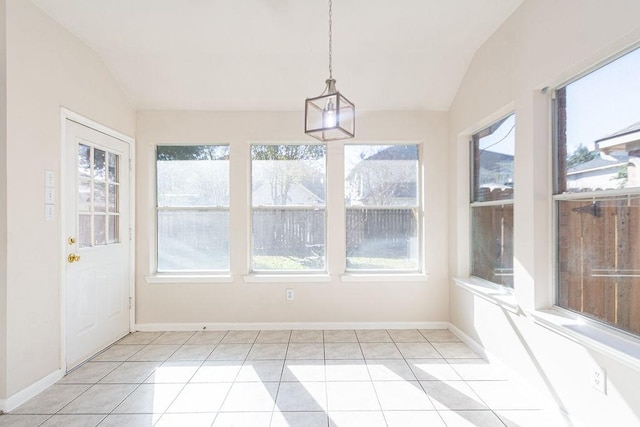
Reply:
x=491, y=292
x=287, y=278
x=188, y=278
x=617, y=345
x=362, y=278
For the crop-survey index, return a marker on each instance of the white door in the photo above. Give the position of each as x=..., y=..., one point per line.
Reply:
x=97, y=290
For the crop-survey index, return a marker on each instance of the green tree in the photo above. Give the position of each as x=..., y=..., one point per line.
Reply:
x=580, y=156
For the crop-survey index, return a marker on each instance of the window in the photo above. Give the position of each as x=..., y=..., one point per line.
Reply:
x=193, y=208
x=492, y=155
x=288, y=189
x=597, y=194
x=382, y=208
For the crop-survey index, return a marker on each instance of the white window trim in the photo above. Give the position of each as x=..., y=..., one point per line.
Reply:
x=494, y=293
x=381, y=276
x=188, y=278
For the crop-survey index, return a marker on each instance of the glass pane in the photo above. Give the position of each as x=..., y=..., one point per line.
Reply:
x=598, y=128
x=99, y=197
x=492, y=244
x=599, y=259
x=381, y=175
x=382, y=239
x=99, y=164
x=99, y=222
x=193, y=240
x=113, y=197
x=492, y=162
x=84, y=195
x=84, y=160
x=288, y=175
x=114, y=223
x=288, y=240
x=84, y=231
x=114, y=160
x=193, y=175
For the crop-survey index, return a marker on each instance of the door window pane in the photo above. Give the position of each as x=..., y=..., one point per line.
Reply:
x=381, y=197
x=113, y=167
x=99, y=164
x=100, y=229
x=84, y=160
x=114, y=228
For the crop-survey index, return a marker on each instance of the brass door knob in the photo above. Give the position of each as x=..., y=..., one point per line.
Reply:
x=73, y=258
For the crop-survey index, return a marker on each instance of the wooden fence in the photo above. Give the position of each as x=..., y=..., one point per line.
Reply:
x=380, y=233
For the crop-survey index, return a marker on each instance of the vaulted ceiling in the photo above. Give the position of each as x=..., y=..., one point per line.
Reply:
x=255, y=55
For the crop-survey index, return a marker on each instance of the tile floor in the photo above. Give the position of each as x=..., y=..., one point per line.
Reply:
x=301, y=378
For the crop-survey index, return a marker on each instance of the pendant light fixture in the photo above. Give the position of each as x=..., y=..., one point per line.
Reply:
x=330, y=116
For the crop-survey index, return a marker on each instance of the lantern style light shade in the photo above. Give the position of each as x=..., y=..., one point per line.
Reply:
x=330, y=116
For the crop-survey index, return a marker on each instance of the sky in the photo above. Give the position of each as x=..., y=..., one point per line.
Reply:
x=502, y=140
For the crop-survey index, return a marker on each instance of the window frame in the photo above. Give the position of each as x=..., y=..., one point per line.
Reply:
x=266, y=274
x=384, y=274
x=473, y=204
x=560, y=194
x=170, y=276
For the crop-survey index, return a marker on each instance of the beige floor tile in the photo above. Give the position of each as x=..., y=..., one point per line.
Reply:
x=130, y=420
x=479, y=370
x=470, y=419
x=260, y=371
x=417, y=350
x=455, y=350
x=250, y=397
x=413, y=419
x=206, y=338
x=357, y=419
x=73, y=421
x=89, y=373
x=352, y=396
x=268, y=352
x=390, y=370
x=373, y=335
x=99, y=399
x=130, y=373
x=523, y=418
x=299, y=419
x=433, y=370
x=305, y=351
x=118, y=353
x=217, y=371
x=453, y=395
x=200, y=398
x=272, y=337
x=183, y=420
x=406, y=335
x=340, y=336
x=192, y=352
x=505, y=395
x=174, y=337
x=52, y=399
x=342, y=351
x=303, y=370
x=439, y=335
x=346, y=370
x=149, y=399
x=240, y=337
x=154, y=353
x=140, y=338
x=10, y=420
x=402, y=396
x=230, y=352
x=304, y=336
x=243, y=419
x=173, y=372
x=302, y=396
x=380, y=351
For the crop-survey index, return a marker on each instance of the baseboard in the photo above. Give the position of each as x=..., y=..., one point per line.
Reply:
x=7, y=405
x=287, y=326
x=470, y=342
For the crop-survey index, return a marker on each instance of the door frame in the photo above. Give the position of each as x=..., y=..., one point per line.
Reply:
x=130, y=141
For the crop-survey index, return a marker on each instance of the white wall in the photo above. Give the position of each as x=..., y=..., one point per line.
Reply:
x=543, y=43
x=46, y=68
x=240, y=302
x=3, y=203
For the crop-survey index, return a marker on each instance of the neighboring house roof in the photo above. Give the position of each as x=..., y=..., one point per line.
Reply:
x=298, y=195
x=627, y=139
x=396, y=152
x=600, y=162
x=490, y=158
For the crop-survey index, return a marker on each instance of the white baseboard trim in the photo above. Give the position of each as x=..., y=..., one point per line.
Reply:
x=7, y=405
x=470, y=342
x=152, y=327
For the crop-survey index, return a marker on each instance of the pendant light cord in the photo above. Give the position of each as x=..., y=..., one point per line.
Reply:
x=330, y=41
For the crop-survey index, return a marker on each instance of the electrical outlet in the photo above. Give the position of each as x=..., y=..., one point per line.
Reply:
x=599, y=379
x=289, y=295
x=49, y=179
